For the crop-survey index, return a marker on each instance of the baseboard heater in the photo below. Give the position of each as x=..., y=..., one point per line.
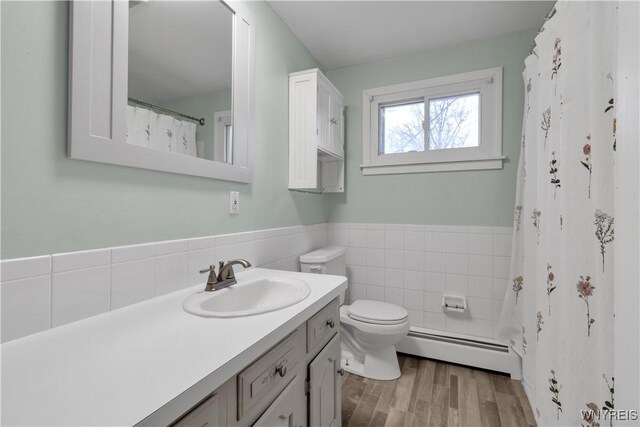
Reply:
x=489, y=355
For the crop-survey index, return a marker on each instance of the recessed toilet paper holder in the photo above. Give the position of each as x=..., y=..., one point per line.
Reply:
x=454, y=303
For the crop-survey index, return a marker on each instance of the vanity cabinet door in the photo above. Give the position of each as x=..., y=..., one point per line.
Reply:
x=210, y=413
x=324, y=386
x=288, y=410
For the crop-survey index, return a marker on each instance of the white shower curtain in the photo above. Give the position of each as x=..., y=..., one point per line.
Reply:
x=558, y=311
x=160, y=132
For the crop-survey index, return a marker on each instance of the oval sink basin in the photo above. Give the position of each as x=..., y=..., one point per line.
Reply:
x=248, y=298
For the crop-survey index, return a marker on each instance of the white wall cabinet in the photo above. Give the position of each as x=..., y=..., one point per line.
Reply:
x=324, y=386
x=316, y=133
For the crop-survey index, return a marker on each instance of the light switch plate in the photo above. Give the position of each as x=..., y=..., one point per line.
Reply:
x=234, y=202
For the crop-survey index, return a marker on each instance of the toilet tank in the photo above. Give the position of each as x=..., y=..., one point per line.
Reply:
x=327, y=260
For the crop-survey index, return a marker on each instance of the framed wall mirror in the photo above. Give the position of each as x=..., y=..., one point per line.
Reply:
x=163, y=85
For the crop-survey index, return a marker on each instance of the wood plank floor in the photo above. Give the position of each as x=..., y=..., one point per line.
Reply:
x=434, y=393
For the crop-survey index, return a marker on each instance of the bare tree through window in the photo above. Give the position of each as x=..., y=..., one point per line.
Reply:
x=453, y=123
x=403, y=128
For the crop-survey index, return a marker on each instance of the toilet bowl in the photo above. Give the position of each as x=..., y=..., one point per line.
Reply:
x=369, y=329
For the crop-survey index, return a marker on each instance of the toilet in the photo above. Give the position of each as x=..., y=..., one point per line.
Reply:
x=369, y=329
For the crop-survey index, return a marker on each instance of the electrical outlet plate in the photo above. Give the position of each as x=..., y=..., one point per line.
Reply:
x=234, y=202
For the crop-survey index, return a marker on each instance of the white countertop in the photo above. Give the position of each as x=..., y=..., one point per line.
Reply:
x=120, y=367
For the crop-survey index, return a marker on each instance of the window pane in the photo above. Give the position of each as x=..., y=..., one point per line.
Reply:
x=454, y=122
x=402, y=128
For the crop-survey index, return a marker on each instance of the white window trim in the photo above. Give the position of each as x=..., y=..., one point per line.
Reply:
x=487, y=156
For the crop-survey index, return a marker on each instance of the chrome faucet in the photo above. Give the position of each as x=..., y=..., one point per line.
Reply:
x=225, y=277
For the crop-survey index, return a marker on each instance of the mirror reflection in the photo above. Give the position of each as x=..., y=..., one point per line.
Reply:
x=180, y=68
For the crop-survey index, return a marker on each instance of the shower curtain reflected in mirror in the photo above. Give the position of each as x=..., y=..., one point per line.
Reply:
x=160, y=131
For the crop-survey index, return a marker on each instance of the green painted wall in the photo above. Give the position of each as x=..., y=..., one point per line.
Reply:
x=53, y=204
x=448, y=198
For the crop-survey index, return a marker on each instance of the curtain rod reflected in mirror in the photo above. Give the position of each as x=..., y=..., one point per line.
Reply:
x=157, y=108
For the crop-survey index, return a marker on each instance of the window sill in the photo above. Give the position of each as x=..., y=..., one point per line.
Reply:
x=449, y=166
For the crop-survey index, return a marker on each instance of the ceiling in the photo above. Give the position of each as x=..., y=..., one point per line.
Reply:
x=343, y=33
x=178, y=49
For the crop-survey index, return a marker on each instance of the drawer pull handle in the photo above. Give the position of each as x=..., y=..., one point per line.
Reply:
x=331, y=323
x=281, y=370
x=341, y=372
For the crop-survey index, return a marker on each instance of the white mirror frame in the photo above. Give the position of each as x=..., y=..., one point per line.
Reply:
x=98, y=76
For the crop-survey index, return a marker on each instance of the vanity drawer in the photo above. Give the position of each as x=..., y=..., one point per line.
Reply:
x=288, y=409
x=265, y=378
x=209, y=413
x=323, y=326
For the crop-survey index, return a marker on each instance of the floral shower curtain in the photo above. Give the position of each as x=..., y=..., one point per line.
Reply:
x=558, y=312
x=160, y=131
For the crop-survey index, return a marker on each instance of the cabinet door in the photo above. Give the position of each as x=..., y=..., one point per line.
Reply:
x=324, y=119
x=324, y=386
x=288, y=410
x=210, y=413
x=336, y=118
x=303, y=118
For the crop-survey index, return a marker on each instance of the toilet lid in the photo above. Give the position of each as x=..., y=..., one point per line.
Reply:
x=378, y=312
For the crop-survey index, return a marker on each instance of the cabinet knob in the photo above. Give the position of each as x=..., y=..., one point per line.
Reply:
x=281, y=370
x=331, y=323
x=333, y=121
x=341, y=372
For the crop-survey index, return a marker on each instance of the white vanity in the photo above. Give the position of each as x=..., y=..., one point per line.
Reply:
x=294, y=383
x=155, y=364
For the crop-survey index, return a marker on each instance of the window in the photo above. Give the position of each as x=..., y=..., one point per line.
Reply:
x=445, y=123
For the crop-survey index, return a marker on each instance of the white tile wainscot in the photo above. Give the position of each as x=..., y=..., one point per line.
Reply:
x=42, y=292
x=408, y=265
x=413, y=265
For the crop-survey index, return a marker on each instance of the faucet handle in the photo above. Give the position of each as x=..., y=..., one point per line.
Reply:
x=211, y=269
x=212, y=280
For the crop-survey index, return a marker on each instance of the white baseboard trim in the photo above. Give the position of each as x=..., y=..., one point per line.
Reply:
x=477, y=353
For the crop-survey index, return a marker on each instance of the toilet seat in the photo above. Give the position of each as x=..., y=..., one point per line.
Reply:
x=377, y=312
